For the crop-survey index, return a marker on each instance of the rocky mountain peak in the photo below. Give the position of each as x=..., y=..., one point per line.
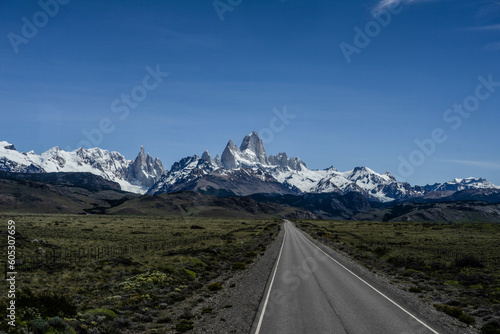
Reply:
x=390, y=176
x=206, y=156
x=254, y=144
x=7, y=146
x=229, y=156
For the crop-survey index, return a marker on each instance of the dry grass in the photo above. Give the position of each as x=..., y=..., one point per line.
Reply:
x=140, y=287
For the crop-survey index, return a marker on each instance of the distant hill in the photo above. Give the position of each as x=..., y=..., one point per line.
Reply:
x=324, y=205
x=86, y=193
x=189, y=203
x=445, y=212
x=57, y=193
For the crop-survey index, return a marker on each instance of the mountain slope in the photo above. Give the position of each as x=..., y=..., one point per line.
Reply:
x=69, y=193
x=189, y=203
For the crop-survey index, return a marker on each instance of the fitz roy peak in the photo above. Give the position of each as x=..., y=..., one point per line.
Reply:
x=241, y=171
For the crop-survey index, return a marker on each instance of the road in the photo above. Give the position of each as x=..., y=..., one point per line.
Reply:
x=309, y=292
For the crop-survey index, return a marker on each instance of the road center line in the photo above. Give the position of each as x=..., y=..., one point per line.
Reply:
x=270, y=286
x=362, y=280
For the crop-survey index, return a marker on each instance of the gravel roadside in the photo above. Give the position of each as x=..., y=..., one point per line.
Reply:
x=235, y=306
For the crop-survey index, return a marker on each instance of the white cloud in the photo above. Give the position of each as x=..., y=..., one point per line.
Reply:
x=493, y=27
x=492, y=47
x=482, y=164
x=383, y=4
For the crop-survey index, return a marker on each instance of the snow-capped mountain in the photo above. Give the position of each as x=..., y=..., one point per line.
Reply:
x=462, y=184
x=243, y=170
x=247, y=170
x=132, y=175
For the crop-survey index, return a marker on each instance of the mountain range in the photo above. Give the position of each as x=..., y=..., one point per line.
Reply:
x=239, y=171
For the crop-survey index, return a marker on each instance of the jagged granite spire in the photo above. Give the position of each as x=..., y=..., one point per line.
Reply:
x=254, y=144
x=230, y=156
x=145, y=170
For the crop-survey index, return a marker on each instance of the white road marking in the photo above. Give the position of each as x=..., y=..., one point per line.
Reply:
x=270, y=287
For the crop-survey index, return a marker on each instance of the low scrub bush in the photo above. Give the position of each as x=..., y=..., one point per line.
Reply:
x=49, y=304
x=469, y=261
x=455, y=312
x=239, y=266
x=467, y=319
x=184, y=326
x=490, y=328
x=215, y=286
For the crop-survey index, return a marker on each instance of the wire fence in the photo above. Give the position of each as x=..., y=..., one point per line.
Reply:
x=58, y=257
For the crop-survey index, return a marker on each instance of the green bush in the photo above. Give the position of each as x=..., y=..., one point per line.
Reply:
x=455, y=312
x=184, y=326
x=469, y=261
x=58, y=325
x=164, y=320
x=381, y=251
x=215, y=286
x=251, y=254
x=467, y=319
x=50, y=304
x=196, y=227
x=39, y=326
x=186, y=316
x=239, y=266
x=490, y=329
x=190, y=273
x=206, y=310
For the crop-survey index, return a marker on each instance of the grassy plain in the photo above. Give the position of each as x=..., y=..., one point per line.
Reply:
x=455, y=267
x=133, y=292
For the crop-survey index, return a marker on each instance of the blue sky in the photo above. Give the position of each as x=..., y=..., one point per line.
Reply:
x=228, y=77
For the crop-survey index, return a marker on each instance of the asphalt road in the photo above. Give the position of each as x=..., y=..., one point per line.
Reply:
x=310, y=292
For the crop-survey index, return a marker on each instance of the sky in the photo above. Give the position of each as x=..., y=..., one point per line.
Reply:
x=411, y=87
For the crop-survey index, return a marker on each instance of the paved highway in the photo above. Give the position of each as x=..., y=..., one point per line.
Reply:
x=310, y=292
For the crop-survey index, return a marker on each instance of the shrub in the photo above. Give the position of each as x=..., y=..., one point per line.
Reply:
x=407, y=262
x=469, y=261
x=215, y=286
x=50, y=304
x=455, y=312
x=164, y=320
x=239, y=266
x=381, y=251
x=467, y=319
x=197, y=227
x=472, y=279
x=58, y=325
x=184, y=326
x=251, y=254
x=415, y=289
x=186, y=316
x=490, y=329
x=206, y=310
x=39, y=326
x=190, y=273
x=122, y=323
